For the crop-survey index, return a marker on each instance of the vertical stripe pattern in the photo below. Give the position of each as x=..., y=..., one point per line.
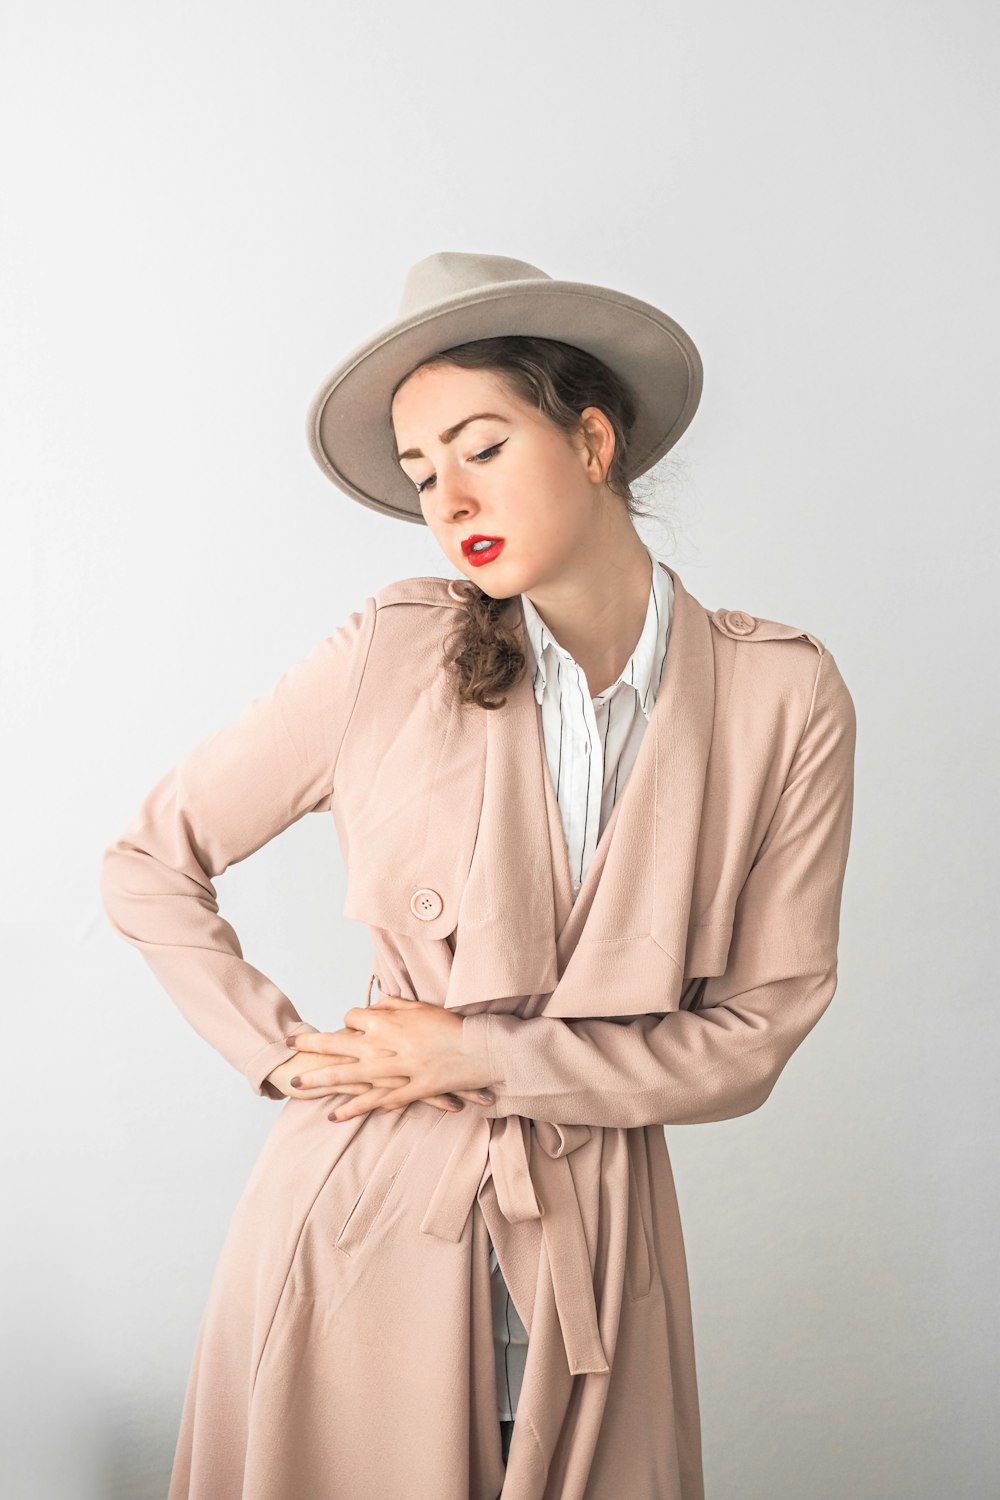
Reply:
x=591, y=745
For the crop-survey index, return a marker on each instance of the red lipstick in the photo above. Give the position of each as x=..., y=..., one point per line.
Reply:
x=484, y=554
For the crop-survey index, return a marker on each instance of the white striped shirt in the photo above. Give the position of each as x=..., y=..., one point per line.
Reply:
x=591, y=745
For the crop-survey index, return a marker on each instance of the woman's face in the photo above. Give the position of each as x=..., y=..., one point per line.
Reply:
x=510, y=475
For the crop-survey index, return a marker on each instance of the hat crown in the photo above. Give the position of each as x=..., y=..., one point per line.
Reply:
x=454, y=273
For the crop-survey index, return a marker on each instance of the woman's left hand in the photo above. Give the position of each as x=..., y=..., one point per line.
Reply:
x=396, y=1038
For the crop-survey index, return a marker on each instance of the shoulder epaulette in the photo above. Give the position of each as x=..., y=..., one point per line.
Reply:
x=740, y=626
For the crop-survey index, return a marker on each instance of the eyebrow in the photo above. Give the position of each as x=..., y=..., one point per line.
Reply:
x=450, y=433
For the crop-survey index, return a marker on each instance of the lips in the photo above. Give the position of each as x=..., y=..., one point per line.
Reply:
x=485, y=554
x=478, y=537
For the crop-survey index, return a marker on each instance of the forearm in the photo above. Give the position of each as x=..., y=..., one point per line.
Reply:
x=687, y=1067
x=171, y=916
x=227, y=797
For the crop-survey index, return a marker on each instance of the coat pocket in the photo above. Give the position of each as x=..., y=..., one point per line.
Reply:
x=638, y=1259
x=382, y=1178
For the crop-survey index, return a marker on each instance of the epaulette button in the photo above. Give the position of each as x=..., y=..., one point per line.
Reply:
x=739, y=622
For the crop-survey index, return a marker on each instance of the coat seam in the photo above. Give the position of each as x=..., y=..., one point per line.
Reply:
x=805, y=726
x=357, y=694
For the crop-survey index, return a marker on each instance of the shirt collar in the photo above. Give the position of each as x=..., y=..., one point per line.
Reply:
x=641, y=671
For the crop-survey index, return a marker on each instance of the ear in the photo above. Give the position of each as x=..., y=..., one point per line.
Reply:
x=598, y=437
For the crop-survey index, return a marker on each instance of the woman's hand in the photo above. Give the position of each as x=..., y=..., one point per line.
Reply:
x=389, y=1054
x=294, y=1067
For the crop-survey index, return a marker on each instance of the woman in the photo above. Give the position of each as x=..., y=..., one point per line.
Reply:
x=599, y=835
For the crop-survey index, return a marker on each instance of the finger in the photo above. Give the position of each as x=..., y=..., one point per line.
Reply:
x=380, y=1098
x=322, y=1041
x=305, y=1090
x=313, y=1061
x=362, y=1106
x=331, y=1093
x=359, y=1047
x=405, y=1093
x=398, y=1098
x=359, y=1016
x=359, y=1106
x=314, y=1085
x=450, y=1103
x=380, y=1070
x=334, y=1067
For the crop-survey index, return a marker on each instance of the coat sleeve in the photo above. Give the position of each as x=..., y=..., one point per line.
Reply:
x=722, y=1058
x=227, y=797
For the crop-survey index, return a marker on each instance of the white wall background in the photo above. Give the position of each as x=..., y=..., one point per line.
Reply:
x=204, y=207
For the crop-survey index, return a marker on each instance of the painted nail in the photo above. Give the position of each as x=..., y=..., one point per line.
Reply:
x=487, y=1096
x=296, y=1083
x=456, y=1102
x=290, y=1040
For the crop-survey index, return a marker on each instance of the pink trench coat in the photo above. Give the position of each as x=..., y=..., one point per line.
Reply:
x=346, y=1349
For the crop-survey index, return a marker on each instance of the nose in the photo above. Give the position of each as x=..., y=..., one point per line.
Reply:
x=452, y=497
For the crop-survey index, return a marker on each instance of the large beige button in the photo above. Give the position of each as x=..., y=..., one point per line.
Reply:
x=739, y=622
x=426, y=904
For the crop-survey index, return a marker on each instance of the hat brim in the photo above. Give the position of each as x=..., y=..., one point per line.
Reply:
x=349, y=426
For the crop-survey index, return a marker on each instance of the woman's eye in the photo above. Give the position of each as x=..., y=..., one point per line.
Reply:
x=483, y=457
x=489, y=452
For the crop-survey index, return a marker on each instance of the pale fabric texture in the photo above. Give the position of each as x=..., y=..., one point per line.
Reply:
x=346, y=1347
x=591, y=744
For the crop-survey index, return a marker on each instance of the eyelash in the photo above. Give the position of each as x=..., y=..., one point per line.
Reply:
x=484, y=456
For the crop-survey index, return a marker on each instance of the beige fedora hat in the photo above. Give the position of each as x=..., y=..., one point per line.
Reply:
x=453, y=297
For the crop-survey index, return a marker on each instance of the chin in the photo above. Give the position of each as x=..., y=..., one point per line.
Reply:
x=495, y=592
x=499, y=586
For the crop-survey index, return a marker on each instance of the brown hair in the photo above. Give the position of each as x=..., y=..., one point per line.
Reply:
x=560, y=380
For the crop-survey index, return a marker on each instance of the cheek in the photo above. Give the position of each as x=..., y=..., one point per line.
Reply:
x=538, y=484
x=552, y=500
x=437, y=533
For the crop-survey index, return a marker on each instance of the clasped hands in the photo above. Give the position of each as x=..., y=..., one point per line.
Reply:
x=388, y=1054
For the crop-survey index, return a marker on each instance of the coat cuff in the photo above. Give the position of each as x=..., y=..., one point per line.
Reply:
x=267, y=1059
x=481, y=1033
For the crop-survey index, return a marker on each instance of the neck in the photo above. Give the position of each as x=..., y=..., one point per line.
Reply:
x=597, y=607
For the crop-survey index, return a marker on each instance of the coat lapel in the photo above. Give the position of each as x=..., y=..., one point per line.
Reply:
x=519, y=932
x=505, y=940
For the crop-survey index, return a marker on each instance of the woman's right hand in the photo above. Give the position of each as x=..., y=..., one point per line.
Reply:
x=306, y=1062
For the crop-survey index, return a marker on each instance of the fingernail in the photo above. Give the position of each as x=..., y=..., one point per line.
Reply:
x=487, y=1096
x=296, y=1083
x=457, y=1103
x=290, y=1040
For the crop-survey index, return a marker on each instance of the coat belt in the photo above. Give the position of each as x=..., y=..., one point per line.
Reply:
x=500, y=1148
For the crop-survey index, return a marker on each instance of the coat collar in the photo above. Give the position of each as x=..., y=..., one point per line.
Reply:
x=518, y=930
